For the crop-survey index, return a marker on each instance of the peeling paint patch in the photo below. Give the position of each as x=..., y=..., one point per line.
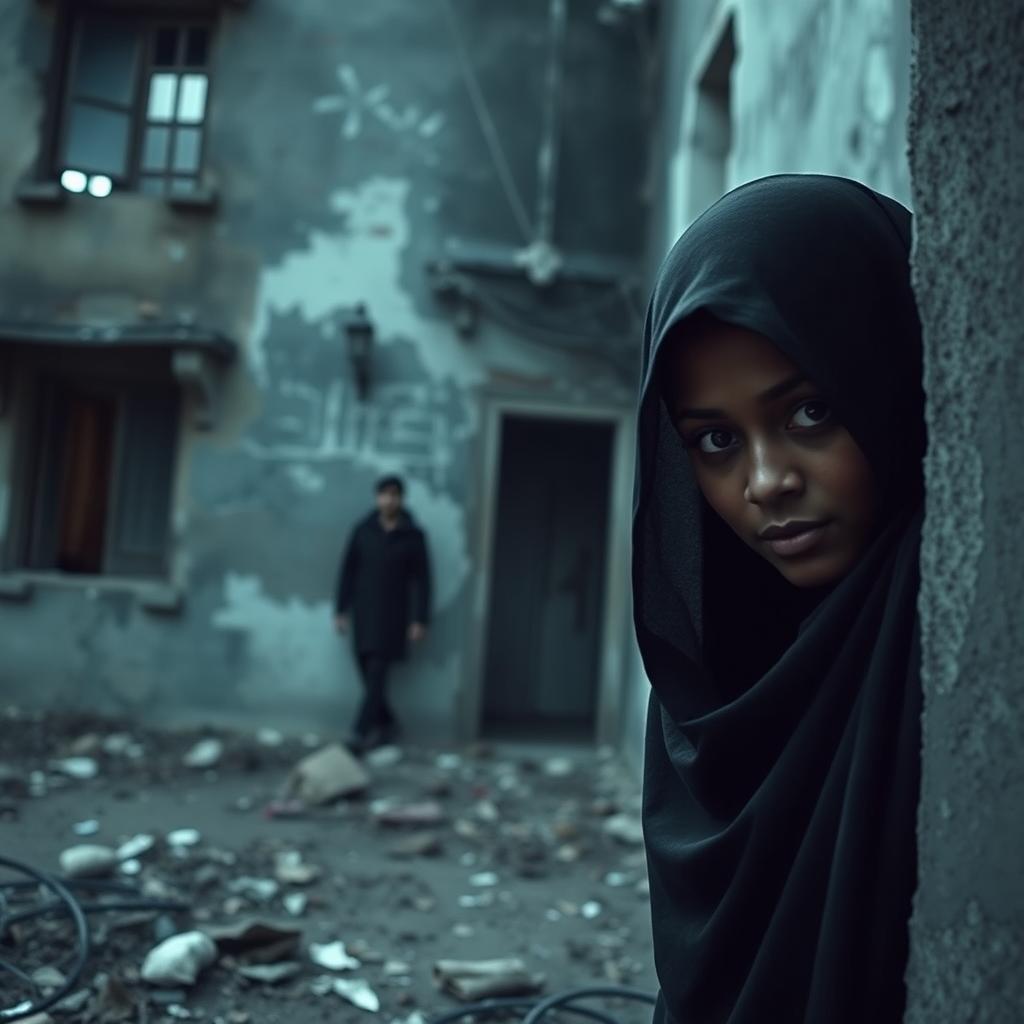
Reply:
x=879, y=90
x=305, y=479
x=291, y=645
x=360, y=263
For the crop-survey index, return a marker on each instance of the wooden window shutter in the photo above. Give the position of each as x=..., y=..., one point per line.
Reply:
x=144, y=474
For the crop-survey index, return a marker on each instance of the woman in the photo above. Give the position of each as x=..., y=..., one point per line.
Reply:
x=776, y=530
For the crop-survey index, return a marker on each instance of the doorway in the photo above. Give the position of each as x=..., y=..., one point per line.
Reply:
x=548, y=560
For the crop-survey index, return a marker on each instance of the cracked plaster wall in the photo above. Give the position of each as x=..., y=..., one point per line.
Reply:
x=345, y=151
x=967, y=150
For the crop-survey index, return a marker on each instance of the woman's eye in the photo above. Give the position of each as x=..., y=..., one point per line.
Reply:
x=713, y=441
x=811, y=414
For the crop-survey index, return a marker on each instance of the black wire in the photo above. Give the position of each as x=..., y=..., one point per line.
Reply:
x=561, y=999
x=538, y=1008
x=81, y=936
x=491, y=1006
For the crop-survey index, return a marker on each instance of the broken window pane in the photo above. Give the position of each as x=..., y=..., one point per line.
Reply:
x=163, y=88
x=165, y=48
x=192, y=102
x=97, y=140
x=105, y=70
x=155, y=149
x=186, y=150
x=195, y=48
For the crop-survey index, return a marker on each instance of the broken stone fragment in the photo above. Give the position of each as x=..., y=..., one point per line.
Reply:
x=471, y=980
x=88, y=860
x=205, y=754
x=418, y=844
x=269, y=974
x=135, y=847
x=423, y=812
x=179, y=959
x=383, y=757
x=329, y=774
x=76, y=767
x=290, y=869
x=251, y=933
x=333, y=956
x=358, y=993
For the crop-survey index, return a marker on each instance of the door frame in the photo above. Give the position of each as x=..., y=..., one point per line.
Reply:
x=615, y=629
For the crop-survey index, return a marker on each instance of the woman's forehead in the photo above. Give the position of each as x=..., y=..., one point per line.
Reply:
x=712, y=358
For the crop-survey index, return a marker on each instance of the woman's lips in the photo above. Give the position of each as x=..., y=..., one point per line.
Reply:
x=798, y=543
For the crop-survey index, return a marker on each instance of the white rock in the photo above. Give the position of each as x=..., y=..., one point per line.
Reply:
x=136, y=846
x=86, y=828
x=88, y=860
x=358, y=993
x=205, y=754
x=183, y=837
x=333, y=956
x=77, y=767
x=383, y=757
x=179, y=959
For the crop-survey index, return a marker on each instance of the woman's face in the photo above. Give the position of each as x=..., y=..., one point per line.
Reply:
x=769, y=456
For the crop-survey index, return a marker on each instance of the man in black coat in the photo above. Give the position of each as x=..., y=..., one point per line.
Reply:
x=383, y=595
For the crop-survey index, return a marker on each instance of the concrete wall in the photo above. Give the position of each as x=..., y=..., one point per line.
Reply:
x=967, y=149
x=346, y=151
x=815, y=86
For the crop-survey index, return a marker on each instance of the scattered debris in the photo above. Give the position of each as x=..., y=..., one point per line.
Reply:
x=358, y=993
x=383, y=757
x=182, y=837
x=423, y=812
x=471, y=980
x=76, y=767
x=205, y=754
x=270, y=974
x=417, y=844
x=133, y=848
x=86, y=828
x=179, y=959
x=295, y=903
x=329, y=774
x=259, y=889
x=88, y=860
x=333, y=956
x=291, y=869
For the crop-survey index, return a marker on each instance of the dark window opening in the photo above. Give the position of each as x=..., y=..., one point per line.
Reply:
x=135, y=105
x=100, y=500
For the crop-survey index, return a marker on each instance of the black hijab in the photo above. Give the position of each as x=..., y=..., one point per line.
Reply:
x=782, y=759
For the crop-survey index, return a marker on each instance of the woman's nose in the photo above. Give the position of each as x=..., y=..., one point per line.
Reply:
x=771, y=475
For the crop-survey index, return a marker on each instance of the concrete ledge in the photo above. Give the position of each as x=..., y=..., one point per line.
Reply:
x=157, y=596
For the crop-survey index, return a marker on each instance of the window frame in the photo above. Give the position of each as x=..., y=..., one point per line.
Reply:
x=68, y=39
x=39, y=377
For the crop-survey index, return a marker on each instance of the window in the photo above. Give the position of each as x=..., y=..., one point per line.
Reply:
x=101, y=493
x=134, y=105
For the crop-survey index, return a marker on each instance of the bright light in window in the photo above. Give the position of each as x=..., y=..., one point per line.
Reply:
x=73, y=181
x=100, y=185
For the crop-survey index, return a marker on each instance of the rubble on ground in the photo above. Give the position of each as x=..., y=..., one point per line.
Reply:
x=265, y=877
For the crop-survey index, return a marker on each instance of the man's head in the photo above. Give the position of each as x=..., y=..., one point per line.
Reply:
x=390, y=494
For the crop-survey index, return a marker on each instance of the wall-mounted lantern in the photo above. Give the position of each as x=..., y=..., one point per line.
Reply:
x=359, y=335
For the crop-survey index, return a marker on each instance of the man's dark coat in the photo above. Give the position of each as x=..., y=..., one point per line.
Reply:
x=384, y=583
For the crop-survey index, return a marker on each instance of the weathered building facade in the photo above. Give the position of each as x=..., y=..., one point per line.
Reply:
x=250, y=260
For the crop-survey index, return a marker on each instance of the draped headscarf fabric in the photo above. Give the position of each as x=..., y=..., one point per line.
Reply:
x=783, y=736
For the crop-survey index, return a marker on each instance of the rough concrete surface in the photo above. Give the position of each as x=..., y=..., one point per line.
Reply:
x=967, y=150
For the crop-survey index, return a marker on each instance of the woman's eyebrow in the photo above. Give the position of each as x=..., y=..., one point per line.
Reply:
x=768, y=395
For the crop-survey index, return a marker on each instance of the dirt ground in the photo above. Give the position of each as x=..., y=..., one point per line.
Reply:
x=528, y=852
